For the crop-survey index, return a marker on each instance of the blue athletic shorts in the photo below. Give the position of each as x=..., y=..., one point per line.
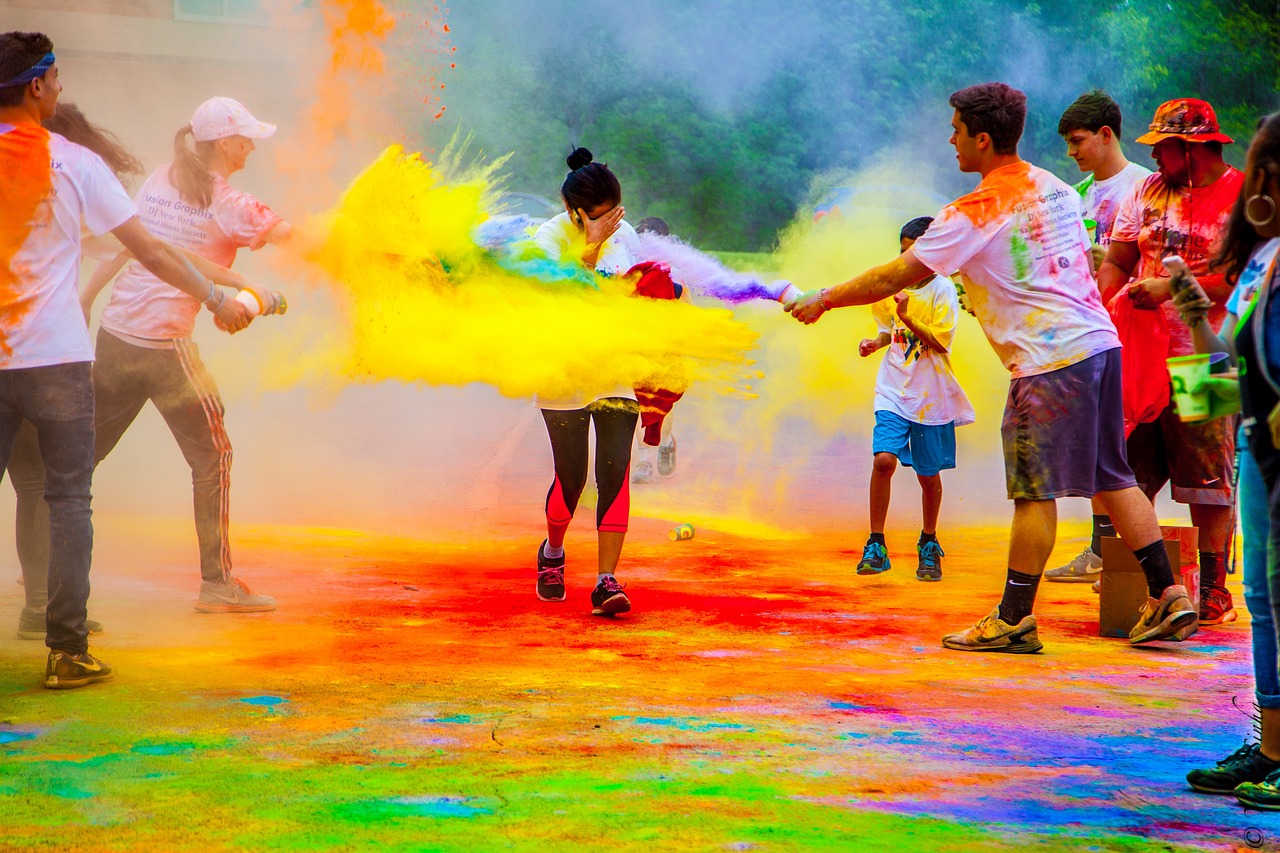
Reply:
x=928, y=449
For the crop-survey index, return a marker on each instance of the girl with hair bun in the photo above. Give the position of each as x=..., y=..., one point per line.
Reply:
x=592, y=232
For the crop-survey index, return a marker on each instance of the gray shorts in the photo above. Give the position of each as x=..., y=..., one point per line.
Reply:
x=1063, y=432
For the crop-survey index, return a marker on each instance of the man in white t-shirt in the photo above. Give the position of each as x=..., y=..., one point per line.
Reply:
x=918, y=405
x=48, y=188
x=1019, y=241
x=1091, y=128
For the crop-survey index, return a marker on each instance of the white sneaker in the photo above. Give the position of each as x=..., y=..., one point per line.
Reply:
x=231, y=596
x=642, y=473
x=667, y=458
x=1085, y=568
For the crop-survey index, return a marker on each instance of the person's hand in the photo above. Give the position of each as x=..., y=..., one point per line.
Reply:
x=1192, y=303
x=1149, y=292
x=807, y=309
x=599, y=230
x=867, y=347
x=1097, y=254
x=1224, y=394
x=901, y=300
x=232, y=316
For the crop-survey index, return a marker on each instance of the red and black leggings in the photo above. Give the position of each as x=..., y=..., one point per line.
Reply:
x=615, y=420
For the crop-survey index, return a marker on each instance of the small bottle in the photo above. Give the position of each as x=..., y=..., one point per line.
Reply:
x=250, y=300
x=684, y=531
x=789, y=293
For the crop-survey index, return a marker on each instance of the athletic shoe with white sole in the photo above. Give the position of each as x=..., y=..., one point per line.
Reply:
x=550, y=586
x=667, y=458
x=608, y=599
x=66, y=671
x=1216, y=606
x=232, y=596
x=1169, y=617
x=642, y=473
x=31, y=625
x=993, y=634
x=1246, y=764
x=1083, y=568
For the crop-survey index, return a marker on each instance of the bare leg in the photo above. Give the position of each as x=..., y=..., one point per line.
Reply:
x=882, y=468
x=610, y=551
x=931, y=501
x=1133, y=516
x=1035, y=527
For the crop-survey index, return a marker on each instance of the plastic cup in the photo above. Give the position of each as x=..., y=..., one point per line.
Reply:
x=1092, y=227
x=1219, y=362
x=1187, y=372
x=249, y=300
x=684, y=531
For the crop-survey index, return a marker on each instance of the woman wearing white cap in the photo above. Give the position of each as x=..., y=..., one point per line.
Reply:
x=145, y=351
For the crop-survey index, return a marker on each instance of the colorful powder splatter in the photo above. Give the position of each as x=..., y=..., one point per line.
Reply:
x=424, y=302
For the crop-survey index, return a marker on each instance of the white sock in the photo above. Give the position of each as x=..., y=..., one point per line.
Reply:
x=552, y=553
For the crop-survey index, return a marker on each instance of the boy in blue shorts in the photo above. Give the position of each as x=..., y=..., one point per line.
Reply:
x=918, y=405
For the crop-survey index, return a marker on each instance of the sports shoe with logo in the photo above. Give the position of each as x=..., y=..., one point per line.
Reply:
x=642, y=473
x=1246, y=764
x=550, y=586
x=1169, y=617
x=231, y=596
x=667, y=458
x=1083, y=568
x=1264, y=795
x=993, y=634
x=930, y=568
x=875, y=559
x=608, y=599
x=31, y=625
x=1216, y=606
x=66, y=671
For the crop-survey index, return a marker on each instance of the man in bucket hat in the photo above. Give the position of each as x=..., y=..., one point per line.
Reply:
x=1181, y=210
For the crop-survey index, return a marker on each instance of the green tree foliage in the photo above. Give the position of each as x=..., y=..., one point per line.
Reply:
x=718, y=116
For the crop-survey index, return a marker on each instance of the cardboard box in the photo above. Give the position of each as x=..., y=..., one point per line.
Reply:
x=1124, y=586
x=1189, y=541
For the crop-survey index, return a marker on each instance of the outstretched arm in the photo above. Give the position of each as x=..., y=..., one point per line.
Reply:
x=871, y=286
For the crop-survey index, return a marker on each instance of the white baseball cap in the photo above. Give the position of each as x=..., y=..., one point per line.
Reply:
x=217, y=118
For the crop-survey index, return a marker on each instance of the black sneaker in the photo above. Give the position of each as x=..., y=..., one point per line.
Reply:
x=31, y=625
x=930, y=568
x=1264, y=795
x=875, y=559
x=608, y=599
x=1246, y=764
x=66, y=671
x=550, y=586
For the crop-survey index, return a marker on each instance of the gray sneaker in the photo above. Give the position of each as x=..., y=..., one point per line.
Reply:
x=231, y=596
x=667, y=458
x=31, y=625
x=1085, y=568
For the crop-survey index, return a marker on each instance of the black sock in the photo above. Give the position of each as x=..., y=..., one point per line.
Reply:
x=876, y=537
x=1213, y=569
x=1155, y=565
x=1101, y=527
x=1019, y=596
x=927, y=537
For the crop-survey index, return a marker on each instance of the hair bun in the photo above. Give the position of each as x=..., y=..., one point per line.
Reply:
x=579, y=158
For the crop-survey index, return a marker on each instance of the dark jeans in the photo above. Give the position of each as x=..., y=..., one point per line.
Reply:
x=58, y=401
x=31, y=524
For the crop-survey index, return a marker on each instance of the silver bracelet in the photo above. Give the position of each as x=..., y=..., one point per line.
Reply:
x=222, y=297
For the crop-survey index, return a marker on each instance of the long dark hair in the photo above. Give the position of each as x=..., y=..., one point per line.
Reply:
x=1241, y=238
x=589, y=185
x=190, y=169
x=71, y=123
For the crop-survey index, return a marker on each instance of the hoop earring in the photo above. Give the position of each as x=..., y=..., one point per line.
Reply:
x=1258, y=221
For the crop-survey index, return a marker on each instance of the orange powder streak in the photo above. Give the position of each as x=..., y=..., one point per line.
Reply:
x=28, y=182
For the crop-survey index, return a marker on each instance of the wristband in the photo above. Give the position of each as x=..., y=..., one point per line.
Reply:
x=221, y=298
x=822, y=300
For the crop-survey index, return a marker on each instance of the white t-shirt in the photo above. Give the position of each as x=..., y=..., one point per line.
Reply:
x=143, y=306
x=1020, y=243
x=1251, y=277
x=564, y=241
x=1102, y=198
x=915, y=381
x=48, y=187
